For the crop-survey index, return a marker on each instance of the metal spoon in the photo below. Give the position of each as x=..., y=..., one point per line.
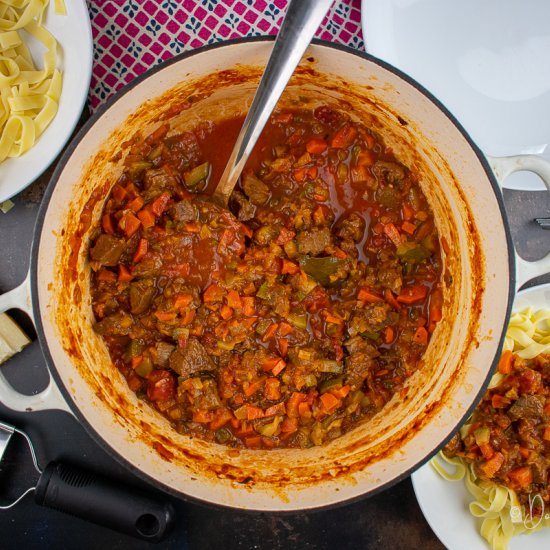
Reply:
x=302, y=19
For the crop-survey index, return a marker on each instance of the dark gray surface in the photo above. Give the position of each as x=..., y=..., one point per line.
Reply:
x=391, y=519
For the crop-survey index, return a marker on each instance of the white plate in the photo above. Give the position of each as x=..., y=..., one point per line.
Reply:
x=445, y=503
x=74, y=35
x=487, y=60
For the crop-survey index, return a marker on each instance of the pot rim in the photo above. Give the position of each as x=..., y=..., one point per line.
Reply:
x=81, y=134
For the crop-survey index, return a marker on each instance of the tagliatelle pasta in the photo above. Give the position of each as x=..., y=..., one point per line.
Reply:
x=29, y=96
x=497, y=506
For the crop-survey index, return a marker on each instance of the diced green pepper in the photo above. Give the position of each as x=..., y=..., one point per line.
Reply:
x=262, y=326
x=412, y=252
x=145, y=367
x=263, y=291
x=298, y=320
x=321, y=269
x=482, y=435
x=222, y=435
x=331, y=384
x=197, y=174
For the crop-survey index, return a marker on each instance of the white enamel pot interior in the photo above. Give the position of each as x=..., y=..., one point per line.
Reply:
x=479, y=282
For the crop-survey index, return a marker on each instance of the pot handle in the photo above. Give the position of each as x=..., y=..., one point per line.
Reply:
x=502, y=168
x=49, y=398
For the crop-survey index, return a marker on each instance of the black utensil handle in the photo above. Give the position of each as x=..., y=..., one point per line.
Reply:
x=96, y=499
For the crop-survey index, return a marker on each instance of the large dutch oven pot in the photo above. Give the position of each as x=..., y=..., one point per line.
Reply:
x=481, y=275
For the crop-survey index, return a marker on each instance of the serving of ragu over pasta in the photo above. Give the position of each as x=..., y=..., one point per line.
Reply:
x=503, y=452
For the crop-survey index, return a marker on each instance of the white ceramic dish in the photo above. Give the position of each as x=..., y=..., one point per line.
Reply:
x=486, y=60
x=74, y=35
x=445, y=503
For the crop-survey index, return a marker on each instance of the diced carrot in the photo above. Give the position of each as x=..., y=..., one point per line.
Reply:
x=330, y=318
x=278, y=368
x=182, y=300
x=411, y=294
x=159, y=205
x=106, y=275
x=421, y=336
x=389, y=335
x=365, y=158
x=136, y=361
x=253, y=441
x=282, y=344
x=289, y=425
x=329, y=402
x=344, y=137
x=146, y=217
x=311, y=172
x=195, y=227
x=342, y=392
x=407, y=212
x=524, y=452
x=304, y=410
x=203, y=416
x=165, y=315
x=339, y=253
x=546, y=434
x=253, y=412
x=158, y=134
x=124, y=274
x=285, y=236
x=129, y=224
x=244, y=429
x=505, y=363
x=213, y=293
x=118, y=192
x=393, y=233
x=107, y=224
x=136, y=203
x=270, y=332
x=486, y=450
x=278, y=409
x=141, y=250
x=493, y=465
x=289, y=267
x=234, y=300
x=292, y=404
x=188, y=317
x=272, y=389
x=365, y=295
x=249, y=308
x=390, y=298
x=436, y=306
x=221, y=417
x=499, y=401
x=285, y=329
x=300, y=174
x=226, y=312
x=522, y=476
x=408, y=227
x=252, y=387
x=316, y=145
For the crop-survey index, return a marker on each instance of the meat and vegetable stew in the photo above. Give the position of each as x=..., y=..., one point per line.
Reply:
x=288, y=321
x=508, y=437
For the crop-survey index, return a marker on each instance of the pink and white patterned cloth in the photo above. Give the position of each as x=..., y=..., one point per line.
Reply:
x=132, y=35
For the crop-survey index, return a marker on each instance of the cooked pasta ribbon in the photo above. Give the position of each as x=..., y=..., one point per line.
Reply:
x=29, y=96
x=527, y=336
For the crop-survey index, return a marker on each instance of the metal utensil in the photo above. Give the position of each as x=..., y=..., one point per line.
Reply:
x=543, y=222
x=93, y=498
x=302, y=19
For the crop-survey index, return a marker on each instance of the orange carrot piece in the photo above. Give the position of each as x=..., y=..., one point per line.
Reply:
x=421, y=336
x=344, y=137
x=249, y=308
x=408, y=227
x=365, y=295
x=213, y=293
x=124, y=274
x=141, y=250
x=329, y=402
x=412, y=294
x=226, y=312
x=106, y=275
x=522, y=476
x=493, y=465
x=393, y=233
x=129, y=224
x=136, y=204
x=272, y=389
x=505, y=363
x=234, y=300
x=270, y=332
x=253, y=412
x=146, y=217
x=160, y=204
x=390, y=298
x=389, y=335
x=107, y=224
x=316, y=145
x=289, y=267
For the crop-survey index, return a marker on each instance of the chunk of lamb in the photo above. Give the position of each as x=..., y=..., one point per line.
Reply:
x=313, y=241
x=183, y=211
x=107, y=250
x=373, y=318
x=527, y=406
x=351, y=228
x=358, y=365
x=191, y=360
x=255, y=189
x=391, y=172
x=246, y=210
x=157, y=180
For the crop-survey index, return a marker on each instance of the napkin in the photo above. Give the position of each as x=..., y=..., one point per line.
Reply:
x=132, y=35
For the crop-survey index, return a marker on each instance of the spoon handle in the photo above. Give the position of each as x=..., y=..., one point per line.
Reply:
x=302, y=19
